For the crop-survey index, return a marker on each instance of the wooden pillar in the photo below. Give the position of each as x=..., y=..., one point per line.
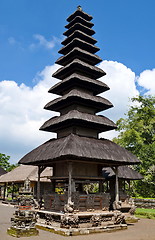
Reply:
x=12, y=190
x=124, y=185
x=38, y=184
x=69, y=182
x=116, y=185
x=53, y=186
x=4, y=193
x=101, y=189
x=107, y=186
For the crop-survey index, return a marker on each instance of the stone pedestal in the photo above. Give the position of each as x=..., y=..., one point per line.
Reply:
x=23, y=224
x=78, y=223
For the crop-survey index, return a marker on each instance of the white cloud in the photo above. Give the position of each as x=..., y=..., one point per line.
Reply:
x=22, y=114
x=121, y=81
x=147, y=81
x=12, y=40
x=38, y=41
x=42, y=41
x=22, y=111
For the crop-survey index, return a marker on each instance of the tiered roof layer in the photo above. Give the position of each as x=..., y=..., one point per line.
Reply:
x=78, y=62
x=78, y=125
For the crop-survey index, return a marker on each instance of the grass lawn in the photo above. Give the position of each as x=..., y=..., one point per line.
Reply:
x=145, y=213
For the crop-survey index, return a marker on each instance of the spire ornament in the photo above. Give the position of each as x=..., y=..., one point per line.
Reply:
x=79, y=8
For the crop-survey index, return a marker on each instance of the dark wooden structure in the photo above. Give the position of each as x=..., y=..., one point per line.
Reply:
x=125, y=176
x=2, y=188
x=77, y=155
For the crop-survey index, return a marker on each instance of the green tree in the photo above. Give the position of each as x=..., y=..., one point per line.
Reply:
x=137, y=134
x=5, y=164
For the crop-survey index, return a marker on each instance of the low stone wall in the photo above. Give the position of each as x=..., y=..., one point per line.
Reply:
x=82, y=202
x=144, y=203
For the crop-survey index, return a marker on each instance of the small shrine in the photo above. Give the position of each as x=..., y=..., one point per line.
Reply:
x=24, y=218
x=78, y=155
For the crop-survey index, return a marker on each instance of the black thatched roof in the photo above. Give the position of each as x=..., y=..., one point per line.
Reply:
x=22, y=172
x=79, y=67
x=77, y=80
x=2, y=171
x=80, y=20
x=77, y=148
x=124, y=172
x=79, y=35
x=83, y=14
x=77, y=42
x=80, y=98
x=76, y=118
x=80, y=54
x=80, y=27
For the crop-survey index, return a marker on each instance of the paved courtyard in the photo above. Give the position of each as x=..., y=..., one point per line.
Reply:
x=143, y=230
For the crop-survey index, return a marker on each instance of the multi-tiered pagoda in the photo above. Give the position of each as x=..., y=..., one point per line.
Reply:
x=77, y=155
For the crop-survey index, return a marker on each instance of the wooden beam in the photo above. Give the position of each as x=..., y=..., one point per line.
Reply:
x=69, y=182
x=38, y=184
x=116, y=185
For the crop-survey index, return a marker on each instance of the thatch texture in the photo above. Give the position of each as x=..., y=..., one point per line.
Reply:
x=78, y=12
x=77, y=80
x=124, y=172
x=2, y=171
x=22, y=172
x=76, y=118
x=79, y=54
x=78, y=66
x=78, y=148
x=79, y=26
x=80, y=35
x=77, y=42
x=80, y=20
x=80, y=98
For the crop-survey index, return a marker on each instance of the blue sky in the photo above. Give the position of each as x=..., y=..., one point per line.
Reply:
x=124, y=30
x=30, y=37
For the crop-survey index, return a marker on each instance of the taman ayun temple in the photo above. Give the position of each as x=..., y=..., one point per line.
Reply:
x=78, y=155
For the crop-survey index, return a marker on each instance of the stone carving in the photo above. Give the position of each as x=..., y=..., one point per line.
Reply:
x=68, y=208
x=118, y=217
x=69, y=221
x=48, y=219
x=56, y=202
x=23, y=224
x=96, y=220
x=132, y=210
x=26, y=201
x=90, y=201
x=106, y=219
x=117, y=205
x=75, y=197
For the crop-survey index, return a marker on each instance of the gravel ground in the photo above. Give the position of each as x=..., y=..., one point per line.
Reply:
x=143, y=230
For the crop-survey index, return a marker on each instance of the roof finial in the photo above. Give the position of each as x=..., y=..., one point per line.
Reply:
x=79, y=8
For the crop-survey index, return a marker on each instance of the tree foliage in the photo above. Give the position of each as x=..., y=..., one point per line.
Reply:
x=137, y=134
x=5, y=164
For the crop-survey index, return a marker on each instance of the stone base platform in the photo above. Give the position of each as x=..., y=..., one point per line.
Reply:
x=81, y=231
x=16, y=232
x=130, y=218
x=77, y=223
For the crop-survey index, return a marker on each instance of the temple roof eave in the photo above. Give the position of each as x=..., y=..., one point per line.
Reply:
x=77, y=80
x=77, y=42
x=75, y=148
x=79, y=97
x=78, y=66
x=81, y=20
x=80, y=13
x=80, y=35
x=79, y=54
x=81, y=27
x=75, y=117
x=124, y=173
